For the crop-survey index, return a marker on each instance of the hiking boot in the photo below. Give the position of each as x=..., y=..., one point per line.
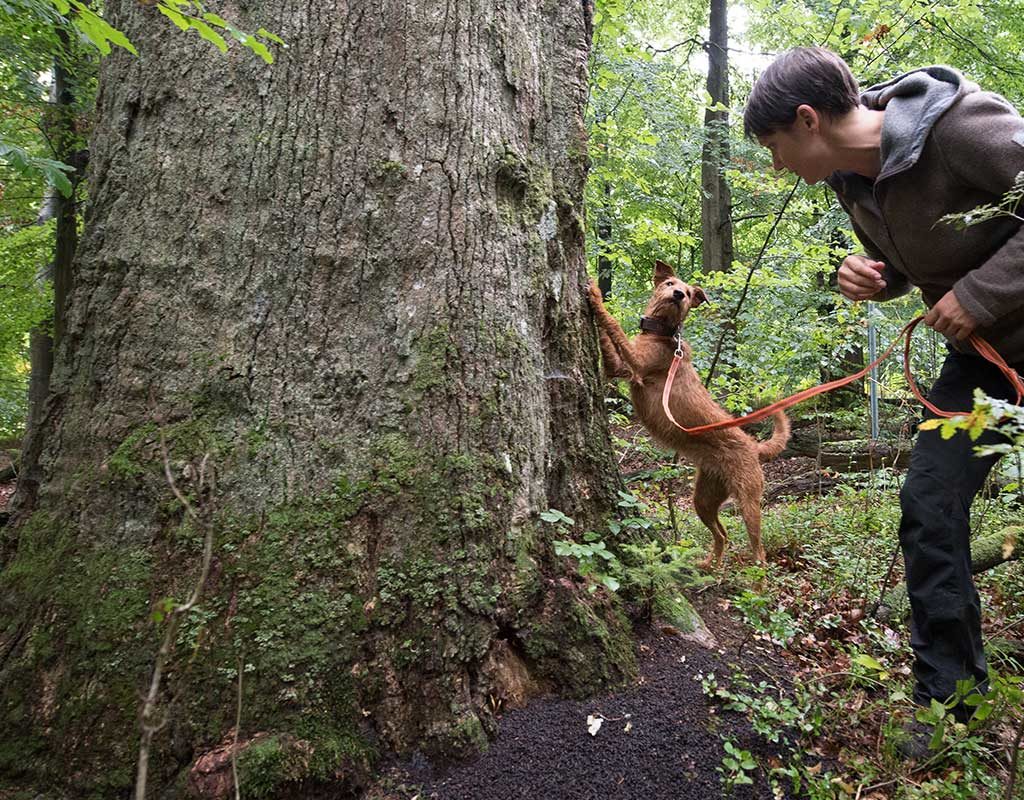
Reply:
x=914, y=740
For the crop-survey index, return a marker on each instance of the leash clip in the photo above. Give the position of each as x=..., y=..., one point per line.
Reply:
x=679, y=344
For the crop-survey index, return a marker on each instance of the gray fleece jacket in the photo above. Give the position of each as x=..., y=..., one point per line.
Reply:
x=947, y=147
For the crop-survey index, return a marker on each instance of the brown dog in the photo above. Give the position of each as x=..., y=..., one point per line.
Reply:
x=728, y=461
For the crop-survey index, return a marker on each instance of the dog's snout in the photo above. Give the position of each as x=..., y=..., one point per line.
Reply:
x=679, y=294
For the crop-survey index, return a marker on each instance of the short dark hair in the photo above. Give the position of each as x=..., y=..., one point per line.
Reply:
x=813, y=76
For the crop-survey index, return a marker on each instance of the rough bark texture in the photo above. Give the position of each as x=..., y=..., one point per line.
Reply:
x=353, y=278
x=716, y=200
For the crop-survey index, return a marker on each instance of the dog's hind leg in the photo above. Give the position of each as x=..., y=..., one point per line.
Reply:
x=748, y=498
x=709, y=492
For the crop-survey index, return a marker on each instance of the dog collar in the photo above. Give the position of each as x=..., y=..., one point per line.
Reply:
x=655, y=325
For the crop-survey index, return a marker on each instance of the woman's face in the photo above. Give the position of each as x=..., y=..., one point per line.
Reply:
x=800, y=148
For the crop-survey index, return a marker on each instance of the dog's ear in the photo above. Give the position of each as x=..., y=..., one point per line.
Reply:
x=662, y=272
x=698, y=297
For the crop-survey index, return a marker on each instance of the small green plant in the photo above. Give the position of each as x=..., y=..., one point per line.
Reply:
x=766, y=616
x=594, y=559
x=773, y=714
x=737, y=766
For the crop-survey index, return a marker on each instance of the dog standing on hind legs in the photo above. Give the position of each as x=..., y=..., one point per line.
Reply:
x=728, y=461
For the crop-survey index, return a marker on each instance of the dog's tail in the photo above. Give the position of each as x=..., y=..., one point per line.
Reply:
x=768, y=449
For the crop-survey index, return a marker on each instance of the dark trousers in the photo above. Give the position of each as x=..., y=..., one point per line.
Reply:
x=943, y=478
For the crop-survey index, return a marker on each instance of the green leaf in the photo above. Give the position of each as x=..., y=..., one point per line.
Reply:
x=100, y=29
x=219, y=21
x=867, y=661
x=610, y=582
x=259, y=49
x=554, y=515
x=174, y=17
x=264, y=33
x=210, y=35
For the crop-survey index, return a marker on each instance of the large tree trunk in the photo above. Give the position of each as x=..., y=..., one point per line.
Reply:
x=716, y=200
x=354, y=279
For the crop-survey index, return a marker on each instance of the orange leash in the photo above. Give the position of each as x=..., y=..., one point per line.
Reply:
x=984, y=349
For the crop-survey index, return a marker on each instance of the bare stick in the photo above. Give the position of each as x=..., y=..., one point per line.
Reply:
x=149, y=709
x=1014, y=757
x=238, y=724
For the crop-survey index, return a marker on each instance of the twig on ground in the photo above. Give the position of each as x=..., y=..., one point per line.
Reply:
x=1014, y=759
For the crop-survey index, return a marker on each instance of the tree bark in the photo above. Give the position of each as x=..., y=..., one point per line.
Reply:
x=355, y=279
x=716, y=200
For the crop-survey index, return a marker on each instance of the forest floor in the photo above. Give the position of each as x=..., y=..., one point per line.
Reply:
x=662, y=738
x=800, y=695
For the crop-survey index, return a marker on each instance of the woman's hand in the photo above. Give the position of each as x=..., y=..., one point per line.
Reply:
x=860, y=278
x=949, y=318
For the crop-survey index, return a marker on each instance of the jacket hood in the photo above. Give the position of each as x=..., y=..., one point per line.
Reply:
x=912, y=103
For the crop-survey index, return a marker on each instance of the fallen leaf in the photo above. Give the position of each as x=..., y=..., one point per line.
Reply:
x=594, y=724
x=628, y=728
x=1009, y=544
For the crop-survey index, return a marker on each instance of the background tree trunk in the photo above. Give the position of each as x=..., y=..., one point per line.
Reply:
x=716, y=201
x=354, y=279
x=60, y=127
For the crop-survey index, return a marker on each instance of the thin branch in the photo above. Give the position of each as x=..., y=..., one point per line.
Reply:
x=1014, y=758
x=149, y=708
x=693, y=41
x=746, y=286
x=988, y=57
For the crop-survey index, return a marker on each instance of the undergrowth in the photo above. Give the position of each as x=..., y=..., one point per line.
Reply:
x=834, y=690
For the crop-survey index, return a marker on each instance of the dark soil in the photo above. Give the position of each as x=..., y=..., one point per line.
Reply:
x=661, y=738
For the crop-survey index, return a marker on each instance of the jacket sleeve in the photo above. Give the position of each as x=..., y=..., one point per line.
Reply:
x=896, y=283
x=982, y=143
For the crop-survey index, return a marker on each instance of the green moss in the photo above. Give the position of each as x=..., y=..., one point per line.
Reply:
x=467, y=736
x=525, y=188
x=125, y=461
x=389, y=170
x=676, y=610
x=580, y=644
x=90, y=601
x=279, y=765
x=434, y=353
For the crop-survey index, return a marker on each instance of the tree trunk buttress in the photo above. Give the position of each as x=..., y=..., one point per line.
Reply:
x=355, y=279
